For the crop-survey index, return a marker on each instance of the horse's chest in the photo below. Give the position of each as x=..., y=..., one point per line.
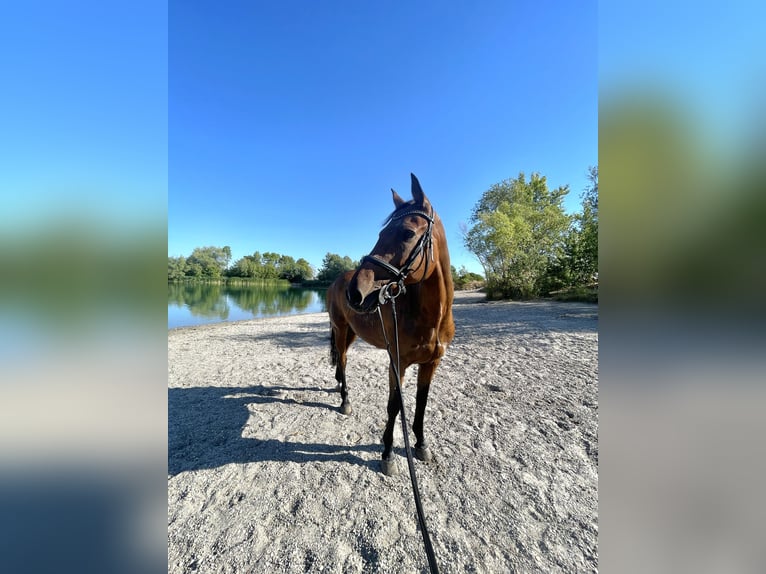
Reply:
x=424, y=341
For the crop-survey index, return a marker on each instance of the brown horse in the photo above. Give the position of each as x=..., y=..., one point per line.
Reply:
x=409, y=263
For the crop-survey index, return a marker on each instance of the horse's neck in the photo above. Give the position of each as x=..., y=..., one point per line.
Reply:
x=442, y=274
x=434, y=295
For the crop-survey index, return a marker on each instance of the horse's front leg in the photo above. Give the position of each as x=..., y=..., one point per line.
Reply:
x=425, y=376
x=387, y=463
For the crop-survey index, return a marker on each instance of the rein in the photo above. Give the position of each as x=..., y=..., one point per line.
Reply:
x=384, y=297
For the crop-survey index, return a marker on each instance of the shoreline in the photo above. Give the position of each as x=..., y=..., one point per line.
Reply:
x=461, y=298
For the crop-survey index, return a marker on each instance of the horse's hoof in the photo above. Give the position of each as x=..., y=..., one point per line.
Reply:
x=345, y=409
x=389, y=467
x=423, y=454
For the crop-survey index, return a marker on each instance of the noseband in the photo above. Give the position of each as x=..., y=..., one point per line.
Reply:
x=425, y=243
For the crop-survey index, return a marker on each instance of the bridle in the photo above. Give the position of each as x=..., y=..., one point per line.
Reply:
x=424, y=246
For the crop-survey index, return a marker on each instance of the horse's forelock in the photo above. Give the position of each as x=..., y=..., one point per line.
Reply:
x=403, y=207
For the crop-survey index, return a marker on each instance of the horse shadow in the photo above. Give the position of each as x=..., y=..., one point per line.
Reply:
x=205, y=430
x=289, y=339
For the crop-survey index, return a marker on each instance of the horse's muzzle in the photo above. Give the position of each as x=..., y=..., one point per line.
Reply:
x=360, y=302
x=362, y=292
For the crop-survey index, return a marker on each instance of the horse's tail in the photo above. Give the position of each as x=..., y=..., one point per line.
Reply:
x=333, y=348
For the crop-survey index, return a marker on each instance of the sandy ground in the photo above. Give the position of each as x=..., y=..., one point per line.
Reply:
x=265, y=475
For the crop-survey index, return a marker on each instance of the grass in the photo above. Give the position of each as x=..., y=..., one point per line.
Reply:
x=584, y=293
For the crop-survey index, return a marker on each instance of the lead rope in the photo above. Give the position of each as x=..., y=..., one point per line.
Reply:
x=410, y=463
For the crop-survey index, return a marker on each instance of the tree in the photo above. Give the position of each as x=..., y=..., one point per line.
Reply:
x=176, y=268
x=304, y=270
x=208, y=261
x=294, y=271
x=269, y=269
x=464, y=279
x=588, y=227
x=334, y=265
x=518, y=230
x=578, y=264
x=247, y=266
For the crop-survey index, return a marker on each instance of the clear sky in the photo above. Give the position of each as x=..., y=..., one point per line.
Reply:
x=705, y=57
x=290, y=121
x=83, y=112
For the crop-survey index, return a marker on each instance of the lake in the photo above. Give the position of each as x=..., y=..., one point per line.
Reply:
x=203, y=303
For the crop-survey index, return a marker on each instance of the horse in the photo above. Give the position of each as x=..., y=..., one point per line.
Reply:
x=409, y=263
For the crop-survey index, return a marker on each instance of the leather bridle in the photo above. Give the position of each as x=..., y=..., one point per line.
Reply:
x=424, y=246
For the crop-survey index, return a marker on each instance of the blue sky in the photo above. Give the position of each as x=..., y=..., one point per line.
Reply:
x=704, y=57
x=290, y=121
x=83, y=112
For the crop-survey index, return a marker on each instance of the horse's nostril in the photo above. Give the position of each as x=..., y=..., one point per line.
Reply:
x=354, y=297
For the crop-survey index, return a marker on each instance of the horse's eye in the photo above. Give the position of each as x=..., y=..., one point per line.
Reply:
x=408, y=234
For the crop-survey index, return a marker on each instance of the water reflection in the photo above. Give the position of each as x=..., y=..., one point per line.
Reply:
x=201, y=300
x=200, y=303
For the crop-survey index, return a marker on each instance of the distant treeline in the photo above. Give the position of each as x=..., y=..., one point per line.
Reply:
x=212, y=263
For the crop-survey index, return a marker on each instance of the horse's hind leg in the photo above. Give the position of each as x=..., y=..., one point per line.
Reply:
x=340, y=340
x=425, y=376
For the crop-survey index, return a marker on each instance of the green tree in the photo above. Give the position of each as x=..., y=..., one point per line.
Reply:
x=464, y=279
x=302, y=271
x=270, y=265
x=294, y=271
x=588, y=227
x=578, y=263
x=247, y=266
x=518, y=230
x=208, y=261
x=334, y=265
x=255, y=265
x=176, y=268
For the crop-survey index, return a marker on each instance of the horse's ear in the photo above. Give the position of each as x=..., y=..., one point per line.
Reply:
x=417, y=191
x=398, y=201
